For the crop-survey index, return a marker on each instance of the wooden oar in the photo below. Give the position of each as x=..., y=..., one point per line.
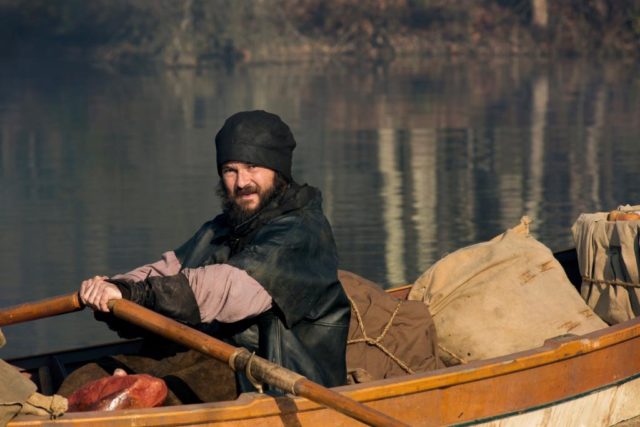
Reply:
x=41, y=309
x=240, y=359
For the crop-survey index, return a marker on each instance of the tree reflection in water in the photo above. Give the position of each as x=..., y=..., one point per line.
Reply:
x=102, y=170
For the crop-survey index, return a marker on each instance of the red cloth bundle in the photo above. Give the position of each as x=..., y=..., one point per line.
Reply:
x=119, y=392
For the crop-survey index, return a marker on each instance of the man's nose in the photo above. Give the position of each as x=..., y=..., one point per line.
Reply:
x=243, y=178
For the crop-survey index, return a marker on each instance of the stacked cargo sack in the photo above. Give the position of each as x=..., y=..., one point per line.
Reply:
x=499, y=297
x=608, y=256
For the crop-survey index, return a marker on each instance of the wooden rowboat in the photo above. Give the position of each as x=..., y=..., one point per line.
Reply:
x=593, y=379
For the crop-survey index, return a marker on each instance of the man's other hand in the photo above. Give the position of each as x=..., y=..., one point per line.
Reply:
x=96, y=292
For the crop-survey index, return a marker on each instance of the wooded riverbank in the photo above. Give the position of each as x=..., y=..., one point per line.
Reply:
x=198, y=32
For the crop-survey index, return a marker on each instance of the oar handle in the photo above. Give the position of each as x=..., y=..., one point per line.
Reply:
x=41, y=309
x=240, y=359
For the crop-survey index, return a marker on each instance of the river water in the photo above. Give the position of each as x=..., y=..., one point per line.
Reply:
x=102, y=170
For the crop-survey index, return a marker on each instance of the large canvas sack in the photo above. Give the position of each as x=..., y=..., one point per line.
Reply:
x=388, y=337
x=608, y=256
x=499, y=297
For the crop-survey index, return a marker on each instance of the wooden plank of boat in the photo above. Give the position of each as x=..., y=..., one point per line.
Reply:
x=592, y=379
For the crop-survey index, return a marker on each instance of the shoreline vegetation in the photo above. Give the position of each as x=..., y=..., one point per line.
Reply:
x=193, y=33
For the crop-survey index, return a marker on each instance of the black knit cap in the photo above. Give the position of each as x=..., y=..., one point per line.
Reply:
x=256, y=137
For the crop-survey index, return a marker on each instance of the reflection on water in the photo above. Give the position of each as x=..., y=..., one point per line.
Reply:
x=101, y=171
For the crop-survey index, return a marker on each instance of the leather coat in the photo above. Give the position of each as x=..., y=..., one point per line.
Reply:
x=289, y=249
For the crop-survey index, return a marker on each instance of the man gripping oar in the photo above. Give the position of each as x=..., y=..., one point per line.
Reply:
x=263, y=273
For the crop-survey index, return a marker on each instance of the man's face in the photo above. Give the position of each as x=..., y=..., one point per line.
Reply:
x=246, y=184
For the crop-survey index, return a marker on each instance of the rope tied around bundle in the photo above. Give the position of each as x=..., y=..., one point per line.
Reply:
x=610, y=282
x=377, y=342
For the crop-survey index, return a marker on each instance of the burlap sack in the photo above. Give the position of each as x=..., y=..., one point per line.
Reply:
x=387, y=337
x=18, y=396
x=608, y=256
x=499, y=297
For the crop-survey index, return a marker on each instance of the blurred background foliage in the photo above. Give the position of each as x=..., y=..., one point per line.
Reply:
x=195, y=32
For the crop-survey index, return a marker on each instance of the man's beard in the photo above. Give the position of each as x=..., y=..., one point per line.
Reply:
x=236, y=212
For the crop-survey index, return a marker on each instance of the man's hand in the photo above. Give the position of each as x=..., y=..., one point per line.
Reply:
x=96, y=292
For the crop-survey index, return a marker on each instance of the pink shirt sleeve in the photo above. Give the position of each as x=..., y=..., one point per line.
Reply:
x=226, y=293
x=223, y=292
x=169, y=265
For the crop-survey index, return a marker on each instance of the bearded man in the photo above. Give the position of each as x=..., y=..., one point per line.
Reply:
x=263, y=273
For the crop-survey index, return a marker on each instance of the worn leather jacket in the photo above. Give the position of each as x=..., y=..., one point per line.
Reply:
x=288, y=248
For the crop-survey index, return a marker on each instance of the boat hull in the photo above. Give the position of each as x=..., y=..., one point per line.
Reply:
x=593, y=376
x=603, y=407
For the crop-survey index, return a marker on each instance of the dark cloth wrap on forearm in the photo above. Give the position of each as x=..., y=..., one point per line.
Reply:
x=170, y=296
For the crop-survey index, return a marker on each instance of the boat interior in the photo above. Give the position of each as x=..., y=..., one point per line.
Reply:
x=48, y=371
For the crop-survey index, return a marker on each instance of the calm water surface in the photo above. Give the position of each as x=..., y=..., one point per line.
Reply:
x=103, y=170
